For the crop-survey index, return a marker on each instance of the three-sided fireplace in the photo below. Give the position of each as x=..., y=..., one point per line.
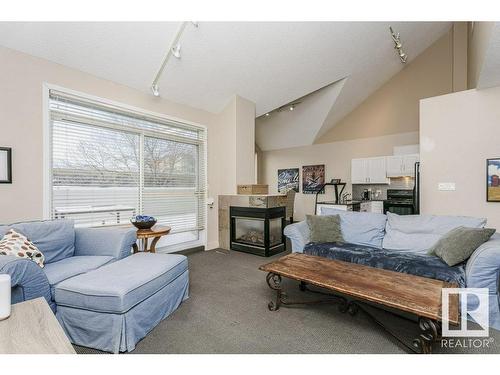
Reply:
x=257, y=230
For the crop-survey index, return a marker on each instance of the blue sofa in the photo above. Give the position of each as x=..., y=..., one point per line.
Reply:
x=103, y=297
x=400, y=243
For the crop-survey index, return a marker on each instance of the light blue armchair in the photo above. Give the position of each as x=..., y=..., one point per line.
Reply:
x=68, y=252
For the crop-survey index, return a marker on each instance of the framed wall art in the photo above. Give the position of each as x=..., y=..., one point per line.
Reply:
x=313, y=178
x=493, y=180
x=5, y=165
x=288, y=179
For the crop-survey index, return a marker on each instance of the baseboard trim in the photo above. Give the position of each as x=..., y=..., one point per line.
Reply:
x=190, y=251
x=212, y=245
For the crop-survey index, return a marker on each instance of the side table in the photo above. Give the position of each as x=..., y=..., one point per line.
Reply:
x=156, y=232
x=32, y=328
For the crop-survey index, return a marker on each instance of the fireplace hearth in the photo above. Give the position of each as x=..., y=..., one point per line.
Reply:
x=257, y=230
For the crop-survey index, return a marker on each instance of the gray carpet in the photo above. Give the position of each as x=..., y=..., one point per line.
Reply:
x=227, y=313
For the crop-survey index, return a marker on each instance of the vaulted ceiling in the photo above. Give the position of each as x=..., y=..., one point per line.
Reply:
x=269, y=63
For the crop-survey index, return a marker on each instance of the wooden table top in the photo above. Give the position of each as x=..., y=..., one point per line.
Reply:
x=414, y=294
x=32, y=328
x=155, y=231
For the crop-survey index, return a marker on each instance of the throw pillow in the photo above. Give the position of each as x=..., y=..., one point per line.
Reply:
x=458, y=244
x=324, y=228
x=14, y=243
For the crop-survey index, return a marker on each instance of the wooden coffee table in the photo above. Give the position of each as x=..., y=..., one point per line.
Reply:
x=156, y=232
x=413, y=294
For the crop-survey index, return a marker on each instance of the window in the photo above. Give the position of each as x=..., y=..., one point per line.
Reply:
x=109, y=163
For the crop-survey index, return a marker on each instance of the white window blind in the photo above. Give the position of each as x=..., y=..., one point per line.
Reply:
x=109, y=163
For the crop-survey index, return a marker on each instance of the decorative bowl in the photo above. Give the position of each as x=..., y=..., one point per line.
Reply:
x=143, y=221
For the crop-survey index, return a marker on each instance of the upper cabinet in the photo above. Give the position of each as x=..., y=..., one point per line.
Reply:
x=369, y=171
x=378, y=170
x=401, y=165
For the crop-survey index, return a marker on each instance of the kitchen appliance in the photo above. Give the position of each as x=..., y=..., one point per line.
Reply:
x=400, y=202
x=366, y=195
x=416, y=190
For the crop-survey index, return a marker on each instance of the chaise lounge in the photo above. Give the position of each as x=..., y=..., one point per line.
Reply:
x=104, y=297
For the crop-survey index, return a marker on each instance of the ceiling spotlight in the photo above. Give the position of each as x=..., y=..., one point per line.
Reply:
x=398, y=45
x=155, y=90
x=176, y=50
x=267, y=114
x=292, y=108
x=403, y=56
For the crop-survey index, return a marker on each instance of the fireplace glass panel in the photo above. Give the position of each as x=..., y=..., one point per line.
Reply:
x=275, y=231
x=250, y=231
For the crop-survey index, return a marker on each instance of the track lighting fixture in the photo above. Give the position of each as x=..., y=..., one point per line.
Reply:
x=398, y=45
x=155, y=90
x=176, y=51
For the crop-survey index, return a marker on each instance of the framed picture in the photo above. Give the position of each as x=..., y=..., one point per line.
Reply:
x=5, y=165
x=288, y=179
x=313, y=178
x=493, y=180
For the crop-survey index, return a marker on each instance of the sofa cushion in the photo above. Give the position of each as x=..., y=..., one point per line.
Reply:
x=18, y=245
x=119, y=286
x=363, y=228
x=418, y=233
x=405, y=262
x=324, y=228
x=458, y=244
x=73, y=266
x=54, y=238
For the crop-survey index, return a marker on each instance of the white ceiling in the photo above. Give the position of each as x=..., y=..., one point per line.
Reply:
x=269, y=63
x=284, y=129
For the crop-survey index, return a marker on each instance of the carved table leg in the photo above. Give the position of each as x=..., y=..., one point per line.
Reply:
x=431, y=332
x=302, y=286
x=274, y=282
x=152, y=249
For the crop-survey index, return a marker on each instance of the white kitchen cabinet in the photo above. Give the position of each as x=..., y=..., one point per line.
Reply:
x=409, y=164
x=359, y=171
x=377, y=171
x=369, y=171
x=401, y=165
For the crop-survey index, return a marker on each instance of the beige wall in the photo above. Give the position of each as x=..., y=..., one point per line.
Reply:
x=458, y=132
x=235, y=137
x=21, y=127
x=479, y=36
x=337, y=159
x=393, y=108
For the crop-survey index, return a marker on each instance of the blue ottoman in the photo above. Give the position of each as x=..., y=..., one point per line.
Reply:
x=113, y=307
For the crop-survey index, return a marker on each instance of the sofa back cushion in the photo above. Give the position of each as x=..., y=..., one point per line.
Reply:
x=54, y=238
x=418, y=233
x=360, y=228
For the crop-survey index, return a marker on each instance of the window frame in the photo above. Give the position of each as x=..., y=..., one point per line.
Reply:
x=47, y=152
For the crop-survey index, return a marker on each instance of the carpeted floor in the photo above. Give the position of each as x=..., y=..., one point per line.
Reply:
x=227, y=313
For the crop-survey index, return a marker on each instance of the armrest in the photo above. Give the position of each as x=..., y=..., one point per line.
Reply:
x=483, y=271
x=115, y=242
x=298, y=233
x=28, y=281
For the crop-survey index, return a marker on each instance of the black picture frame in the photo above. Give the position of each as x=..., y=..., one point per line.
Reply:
x=492, y=180
x=7, y=165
